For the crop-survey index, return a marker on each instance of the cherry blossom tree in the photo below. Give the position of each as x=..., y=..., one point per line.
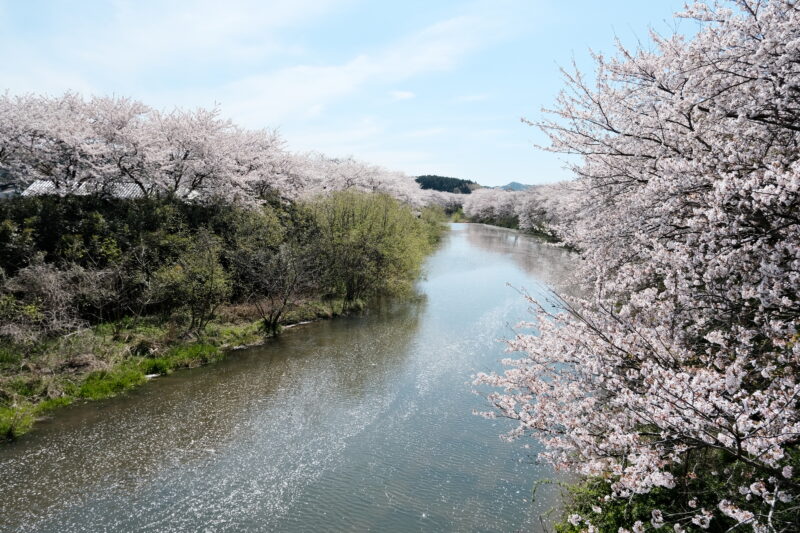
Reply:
x=316, y=174
x=49, y=138
x=686, y=352
x=489, y=205
x=196, y=153
x=104, y=145
x=547, y=208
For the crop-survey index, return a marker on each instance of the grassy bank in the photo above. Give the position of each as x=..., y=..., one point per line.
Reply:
x=111, y=358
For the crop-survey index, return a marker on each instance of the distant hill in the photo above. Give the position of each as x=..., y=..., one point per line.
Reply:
x=444, y=184
x=515, y=186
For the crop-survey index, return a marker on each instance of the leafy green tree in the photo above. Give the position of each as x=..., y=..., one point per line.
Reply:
x=196, y=282
x=369, y=243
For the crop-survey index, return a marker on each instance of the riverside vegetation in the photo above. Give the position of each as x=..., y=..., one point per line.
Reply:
x=97, y=293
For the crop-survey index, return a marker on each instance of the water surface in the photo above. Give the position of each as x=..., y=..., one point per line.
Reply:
x=354, y=424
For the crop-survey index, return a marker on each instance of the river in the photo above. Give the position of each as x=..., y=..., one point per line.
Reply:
x=354, y=424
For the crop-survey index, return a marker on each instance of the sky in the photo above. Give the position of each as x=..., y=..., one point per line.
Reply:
x=421, y=86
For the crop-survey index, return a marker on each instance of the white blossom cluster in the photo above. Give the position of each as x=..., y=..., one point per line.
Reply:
x=689, y=224
x=70, y=145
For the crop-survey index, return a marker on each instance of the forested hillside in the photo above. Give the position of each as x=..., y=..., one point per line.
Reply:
x=443, y=184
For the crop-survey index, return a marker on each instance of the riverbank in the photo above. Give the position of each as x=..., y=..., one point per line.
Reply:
x=362, y=421
x=98, y=293
x=111, y=358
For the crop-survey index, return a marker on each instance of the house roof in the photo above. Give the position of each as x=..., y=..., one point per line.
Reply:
x=116, y=190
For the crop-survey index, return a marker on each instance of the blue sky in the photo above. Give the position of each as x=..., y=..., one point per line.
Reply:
x=433, y=86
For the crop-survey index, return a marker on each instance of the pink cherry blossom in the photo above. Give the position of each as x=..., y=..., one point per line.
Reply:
x=685, y=214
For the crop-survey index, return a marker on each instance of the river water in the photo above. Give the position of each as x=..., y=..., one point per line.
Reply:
x=354, y=424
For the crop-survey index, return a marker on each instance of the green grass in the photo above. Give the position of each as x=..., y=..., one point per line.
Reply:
x=52, y=404
x=15, y=421
x=193, y=355
x=184, y=356
x=229, y=335
x=107, y=383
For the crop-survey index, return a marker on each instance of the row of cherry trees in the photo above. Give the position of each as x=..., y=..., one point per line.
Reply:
x=101, y=143
x=678, y=375
x=490, y=204
x=538, y=208
x=314, y=174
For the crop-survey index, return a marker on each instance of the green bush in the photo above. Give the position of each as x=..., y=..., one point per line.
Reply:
x=196, y=281
x=26, y=386
x=130, y=241
x=10, y=356
x=704, y=480
x=585, y=498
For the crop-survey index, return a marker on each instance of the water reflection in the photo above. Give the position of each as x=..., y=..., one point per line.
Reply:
x=192, y=419
x=354, y=424
x=545, y=262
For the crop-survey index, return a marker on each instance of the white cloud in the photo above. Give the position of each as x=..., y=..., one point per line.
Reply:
x=411, y=161
x=267, y=98
x=195, y=53
x=122, y=45
x=401, y=95
x=364, y=139
x=345, y=140
x=493, y=132
x=52, y=81
x=146, y=35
